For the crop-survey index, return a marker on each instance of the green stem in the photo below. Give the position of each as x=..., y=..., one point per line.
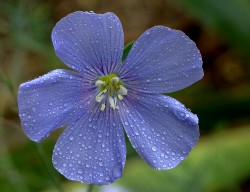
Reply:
x=90, y=188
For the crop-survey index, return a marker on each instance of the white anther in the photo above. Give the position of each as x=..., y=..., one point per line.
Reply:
x=122, y=90
x=120, y=96
x=112, y=102
x=99, y=83
x=103, y=107
x=115, y=79
x=100, y=97
x=105, y=90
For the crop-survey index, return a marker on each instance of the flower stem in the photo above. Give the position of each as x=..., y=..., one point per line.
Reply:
x=90, y=188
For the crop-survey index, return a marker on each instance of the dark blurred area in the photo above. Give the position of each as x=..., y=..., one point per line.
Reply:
x=221, y=30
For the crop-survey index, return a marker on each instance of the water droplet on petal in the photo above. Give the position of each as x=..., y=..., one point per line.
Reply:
x=116, y=172
x=154, y=148
x=80, y=171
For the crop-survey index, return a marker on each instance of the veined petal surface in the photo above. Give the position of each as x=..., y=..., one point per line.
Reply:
x=160, y=129
x=162, y=60
x=92, y=150
x=48, y=102
x=88, y=42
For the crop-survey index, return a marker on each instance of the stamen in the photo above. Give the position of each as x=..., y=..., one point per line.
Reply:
x=115, y=99
x=120, y=96
x=112, y=102
x=115, y=79
x=103, y=107
x=122, y=90
x=99, y=83
x=105, y=90
x=100, y=97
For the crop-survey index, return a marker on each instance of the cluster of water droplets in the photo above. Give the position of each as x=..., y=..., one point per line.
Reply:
x=163, y=133
x=163, y=60
x=92, y=150
x=84, y=32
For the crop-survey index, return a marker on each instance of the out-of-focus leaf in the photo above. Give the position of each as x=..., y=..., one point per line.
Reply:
x=229, y=17
x=218, y=163
x=126, y=50
x=13, y=180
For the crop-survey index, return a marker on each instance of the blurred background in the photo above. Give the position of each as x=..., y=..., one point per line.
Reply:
x=221, y=29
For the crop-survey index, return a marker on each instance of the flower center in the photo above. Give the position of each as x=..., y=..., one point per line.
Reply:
x=110, y=90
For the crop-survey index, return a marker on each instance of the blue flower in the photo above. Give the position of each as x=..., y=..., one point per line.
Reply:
x=102, y=97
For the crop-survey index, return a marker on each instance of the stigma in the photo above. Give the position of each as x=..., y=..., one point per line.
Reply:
x=110, y=90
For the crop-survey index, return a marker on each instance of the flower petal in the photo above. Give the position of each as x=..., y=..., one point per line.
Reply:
x=48, y=102
x=162, y=60
x=92, y=150
x=160, y=129
x=89, y=42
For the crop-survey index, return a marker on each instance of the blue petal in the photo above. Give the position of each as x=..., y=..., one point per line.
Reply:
x=48, y=102
x=92, y=150
x=160, y=129
x=88, y=42
x=162, y=60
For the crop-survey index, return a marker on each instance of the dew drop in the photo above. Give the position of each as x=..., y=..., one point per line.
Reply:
x=107, y=178
x=80, y=171
x=71, y=138
x=116, y=172
x=154, y=148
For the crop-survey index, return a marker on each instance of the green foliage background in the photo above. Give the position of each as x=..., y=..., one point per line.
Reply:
x=221, y=30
